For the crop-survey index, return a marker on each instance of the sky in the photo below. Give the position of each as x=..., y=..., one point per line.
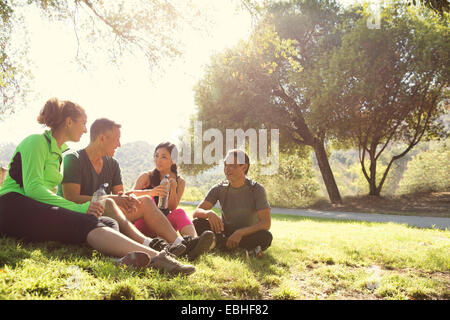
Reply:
x=148, y=108
x=151, y=110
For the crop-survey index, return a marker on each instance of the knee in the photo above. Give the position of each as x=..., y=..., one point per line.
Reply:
x=266, y=239
x=109, y=204
x=147, y=202
x=112, y=210
x=201, y=225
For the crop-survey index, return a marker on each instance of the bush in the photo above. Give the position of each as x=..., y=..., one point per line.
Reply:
x=294, y=185
x=428, y=171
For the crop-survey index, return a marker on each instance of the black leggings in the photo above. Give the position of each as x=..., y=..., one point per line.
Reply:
x=261, y=238
x=31, y=220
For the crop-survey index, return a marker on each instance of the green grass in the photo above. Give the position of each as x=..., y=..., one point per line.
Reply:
x=309, y=259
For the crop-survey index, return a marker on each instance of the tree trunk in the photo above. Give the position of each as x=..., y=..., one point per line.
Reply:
x=373, y=190
x=327, y=174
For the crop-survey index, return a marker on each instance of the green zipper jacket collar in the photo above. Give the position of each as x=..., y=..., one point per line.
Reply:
x=35, y=172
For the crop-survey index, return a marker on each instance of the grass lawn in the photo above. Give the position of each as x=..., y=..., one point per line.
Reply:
x=309, y=259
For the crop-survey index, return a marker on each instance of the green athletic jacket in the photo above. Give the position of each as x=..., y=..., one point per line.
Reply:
x=34, y=171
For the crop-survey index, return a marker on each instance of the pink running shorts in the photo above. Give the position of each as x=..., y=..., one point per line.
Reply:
x=178, y=218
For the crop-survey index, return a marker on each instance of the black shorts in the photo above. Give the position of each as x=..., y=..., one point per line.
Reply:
x=31, y=220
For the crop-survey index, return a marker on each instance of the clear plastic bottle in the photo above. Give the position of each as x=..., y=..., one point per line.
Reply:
x=163, y=202
x=100, y=194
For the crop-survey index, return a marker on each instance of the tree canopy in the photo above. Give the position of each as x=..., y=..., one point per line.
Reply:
x=384, y=86
x=439, y=6
x=260, y=82
x=319, y=74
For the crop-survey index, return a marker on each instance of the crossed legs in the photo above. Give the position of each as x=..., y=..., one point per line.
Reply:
x=153, y=217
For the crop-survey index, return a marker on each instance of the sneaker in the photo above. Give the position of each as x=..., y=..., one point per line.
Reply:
x=164, y=261
x=176, y=249
x=135, y=260
x=198, y=245
x=158, y=244
x=255, y=252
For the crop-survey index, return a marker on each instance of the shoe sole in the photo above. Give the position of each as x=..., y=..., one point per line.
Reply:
x=204, y=244
x=166, y=266
x=135, y=260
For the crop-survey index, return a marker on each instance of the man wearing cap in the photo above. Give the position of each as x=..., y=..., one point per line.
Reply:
x=245, y=220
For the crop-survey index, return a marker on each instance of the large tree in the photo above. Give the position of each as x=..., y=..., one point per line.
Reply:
x=261, y=81
x=386, y=85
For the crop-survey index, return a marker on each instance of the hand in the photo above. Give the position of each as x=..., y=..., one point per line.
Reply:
x=96, y=209
x=128, y=201
x=215, y=222
x=234, y=240
x=159, y=191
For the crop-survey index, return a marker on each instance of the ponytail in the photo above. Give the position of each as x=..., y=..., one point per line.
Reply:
x=51, y=113
x=55, y=112
x=174, y=169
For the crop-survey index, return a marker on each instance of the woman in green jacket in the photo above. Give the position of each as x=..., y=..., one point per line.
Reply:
x=31, y=210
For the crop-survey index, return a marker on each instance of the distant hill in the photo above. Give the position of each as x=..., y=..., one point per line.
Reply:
x=134, y=158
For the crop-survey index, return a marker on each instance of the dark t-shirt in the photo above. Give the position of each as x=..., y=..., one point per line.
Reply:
x=78, y=169
x=239, y=205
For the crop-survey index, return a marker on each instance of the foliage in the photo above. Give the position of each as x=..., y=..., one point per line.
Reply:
x=439, y=6
x=385, y=85
x=294, y=185
x=428, y=170
x=259, y=83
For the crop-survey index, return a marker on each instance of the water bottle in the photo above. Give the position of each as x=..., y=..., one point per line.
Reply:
x=163, y=202
x=100, y=194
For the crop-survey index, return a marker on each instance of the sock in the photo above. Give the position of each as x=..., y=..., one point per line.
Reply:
x=147, y=242
x=178, y=241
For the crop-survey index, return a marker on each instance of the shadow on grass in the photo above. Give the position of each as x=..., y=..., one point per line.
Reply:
x=13, y=251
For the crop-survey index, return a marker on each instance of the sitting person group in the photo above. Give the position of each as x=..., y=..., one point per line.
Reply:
x=127, y=225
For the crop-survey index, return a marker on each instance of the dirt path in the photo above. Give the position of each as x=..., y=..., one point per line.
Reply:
x=415, y=221
x=427, y=210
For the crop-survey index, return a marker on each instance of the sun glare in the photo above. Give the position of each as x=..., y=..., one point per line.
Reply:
x=150, y=108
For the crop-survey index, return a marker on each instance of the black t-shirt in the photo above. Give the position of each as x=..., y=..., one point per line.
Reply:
x=239, y=205
x=78, y=169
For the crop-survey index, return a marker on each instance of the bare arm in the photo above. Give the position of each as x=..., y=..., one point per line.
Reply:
x=176, y=192
x=264, y=222
x=71, y=191
x=203, y=211
x=142, y=182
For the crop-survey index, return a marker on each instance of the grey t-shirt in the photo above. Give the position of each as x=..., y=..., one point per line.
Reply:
x=239, y=205
x=78, y=169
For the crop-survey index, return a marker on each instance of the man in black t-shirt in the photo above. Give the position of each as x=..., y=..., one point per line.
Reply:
x=87, y=169
x=245, y=220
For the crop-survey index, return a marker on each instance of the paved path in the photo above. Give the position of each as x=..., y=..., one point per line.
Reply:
x=421, y=222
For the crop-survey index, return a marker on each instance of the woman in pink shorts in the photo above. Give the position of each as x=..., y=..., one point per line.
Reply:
x=165, y=157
